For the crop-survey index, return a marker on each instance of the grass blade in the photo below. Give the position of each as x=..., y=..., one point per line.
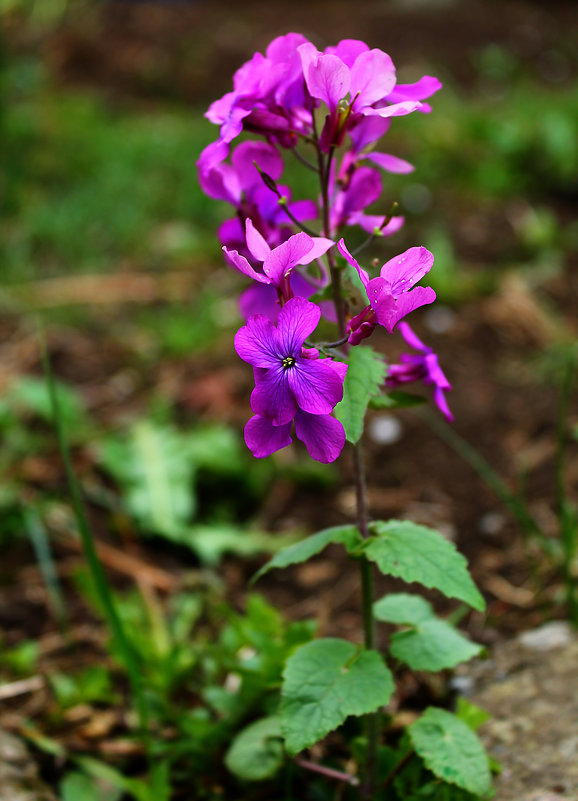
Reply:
x=98, y=575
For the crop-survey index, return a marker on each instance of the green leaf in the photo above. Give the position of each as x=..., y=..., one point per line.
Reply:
x=471, y=714
x=417, y=553
x=78, y=786
x=396, y=400
x=348, y=536
x=432, y=645
x=451, y=750
x=403, y=608
x=32, y=395
x=365, y=374
x=257, y=752
x=325, y=681
x=211, y=542
x=155, y=470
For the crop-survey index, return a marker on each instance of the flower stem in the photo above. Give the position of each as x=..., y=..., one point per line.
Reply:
x=330, y=773
x=324, y=175
x=366, y=573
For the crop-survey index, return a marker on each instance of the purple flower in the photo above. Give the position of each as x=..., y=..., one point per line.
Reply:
x=358, y=187
x=357, y=83
x=240, y=184
x=268, y=97
x=323, y=435
x=278, y=263
x=393, y=294
x=275, y=94
x=289, y=377
x=231, y=181
x=420, y=367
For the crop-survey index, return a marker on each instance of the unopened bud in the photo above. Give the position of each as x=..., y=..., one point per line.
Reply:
x=267, y=180
x=392, y=213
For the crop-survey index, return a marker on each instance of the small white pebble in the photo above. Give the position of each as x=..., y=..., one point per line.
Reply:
x=385, y=429
x=547, y=637
x=440, y=320
x=492, y=523
x=462, y=684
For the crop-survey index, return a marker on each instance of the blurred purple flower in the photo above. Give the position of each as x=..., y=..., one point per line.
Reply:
x=240, y=184
x=275, y=94
x=420, y=367
x=357, y=83
x=357, y=188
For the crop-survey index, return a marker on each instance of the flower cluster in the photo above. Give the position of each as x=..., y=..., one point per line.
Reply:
x=328, y=109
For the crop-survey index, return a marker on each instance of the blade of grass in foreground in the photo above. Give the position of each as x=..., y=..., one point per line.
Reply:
x=41, y=546
x=510, y=499
x=96, y=570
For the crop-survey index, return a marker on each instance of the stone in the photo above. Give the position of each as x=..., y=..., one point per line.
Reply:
x=19, y=779
x=530, y=688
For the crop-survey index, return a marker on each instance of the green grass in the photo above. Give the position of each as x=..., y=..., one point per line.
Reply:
x=89, y=187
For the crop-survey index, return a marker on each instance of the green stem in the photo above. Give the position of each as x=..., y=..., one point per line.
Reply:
x=335, y=273
x=100, y=581
x=372, y=720
x=305, y=228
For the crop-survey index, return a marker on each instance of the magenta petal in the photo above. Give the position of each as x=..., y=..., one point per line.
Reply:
x=348, y=50
x=231, y=234
x=267, y=158
x=257, y=342
x=241, y=264
x=405, y=270
x=272, y=398
x=412, y=339
x=316, y=386
x=327, y=78
x=220, y=182
x=263, y=438
x=321, y=245
x=419, y=90
x=365, y=188
x=212, y=155
x=259, y=299
x=283, y=47
x=281, y=260
x=364, y=276
x=256, y=243
x=338, y=367
x=390, y=310
x=395, y=110
x=367, y=131
x=304, y=210
x=441, y=403
x=322, y=434
x=297, y=320
x=372, y=78
x=369, y=222
x=390, y=163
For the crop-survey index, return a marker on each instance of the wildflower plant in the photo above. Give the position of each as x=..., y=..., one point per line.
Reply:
x=328, y=110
